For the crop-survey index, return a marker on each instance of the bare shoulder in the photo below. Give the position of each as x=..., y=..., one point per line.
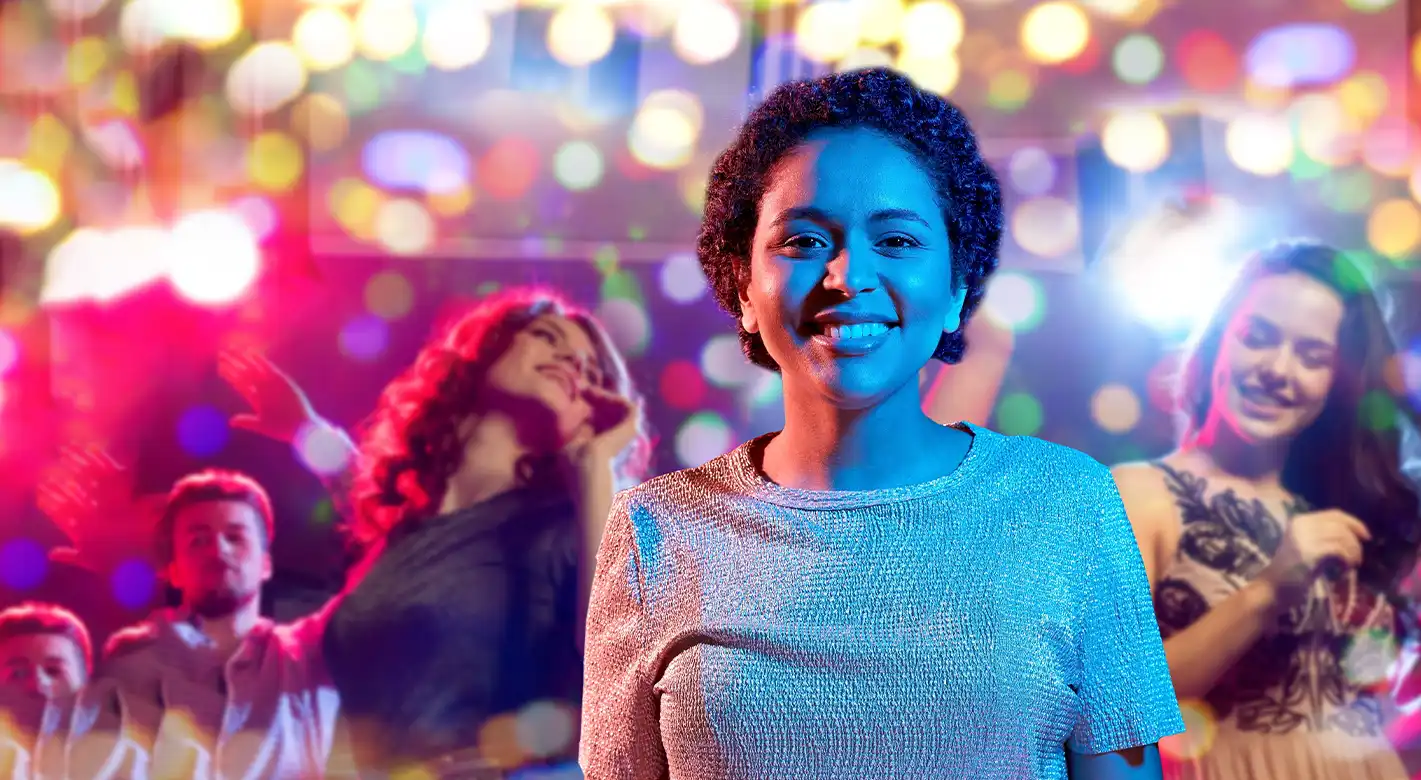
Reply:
x=1147, y=499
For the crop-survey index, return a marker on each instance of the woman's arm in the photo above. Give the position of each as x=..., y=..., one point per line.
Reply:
x=621, y=732
x=1200, y=654
x=593, y=470
x=281, y=411
x=1138, y=763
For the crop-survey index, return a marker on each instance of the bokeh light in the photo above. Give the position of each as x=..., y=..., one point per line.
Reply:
x=413, y=159
x=23, y=564
x=509, y=168
x=580, y=33
x=134, y=583
x=1049, y=227
x=324, y=37
x=266, y=78
x=663, y=135
x=937, y=74
x=385, y=29
x=703, y=436
x=881, y=21
x=1259, y=144
x=723, y=364
x=275, y=161
x=1207, y=61
x=827, y=30
x=1019, y=414
x=456, y=35
x=930, y=29
x=29, y=199
x=405, y=226
x=1032, y=171
x=203, y=431
x=1136, y=141
x=1054, y=32
x=546, y=728
x=388, y=295
x=322, y=449
x=682, y=279
x=706, y=31
x=1138, y=59
x=1201, y=728
x=578, y=165
x=1297, y=55
x=1394, y=228
x=321, y=120
x=1115, y=408
x=627, y=325
x=682, y=386
x=214, y=257
x=1015, y=300
x=364, y=338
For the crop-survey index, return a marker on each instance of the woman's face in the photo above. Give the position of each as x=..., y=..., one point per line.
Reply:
x=850, y=280
x=1277, y=358
x=544, y=374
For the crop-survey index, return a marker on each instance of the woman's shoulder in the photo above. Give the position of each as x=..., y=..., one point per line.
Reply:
x=688, y=488
x=1035, y=455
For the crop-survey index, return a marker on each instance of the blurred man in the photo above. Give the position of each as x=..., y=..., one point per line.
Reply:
x=212, y=689
x=45, y=657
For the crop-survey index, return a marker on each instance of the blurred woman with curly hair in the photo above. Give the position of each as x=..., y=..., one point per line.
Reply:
x=868, y=593
x=483, y=484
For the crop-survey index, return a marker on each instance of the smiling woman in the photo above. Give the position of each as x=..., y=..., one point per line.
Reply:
x=867, y=593
x=1277, y=534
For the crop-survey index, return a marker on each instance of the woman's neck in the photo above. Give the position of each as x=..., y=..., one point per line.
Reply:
x=1217, y=447
x=825, y=447
x=492, y=452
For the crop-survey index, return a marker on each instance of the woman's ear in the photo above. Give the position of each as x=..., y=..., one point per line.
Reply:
x=748, y=318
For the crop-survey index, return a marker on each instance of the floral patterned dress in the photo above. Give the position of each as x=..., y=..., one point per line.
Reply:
x=1308, y=700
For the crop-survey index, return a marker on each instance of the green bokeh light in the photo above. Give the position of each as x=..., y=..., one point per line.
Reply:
x=1378, y=411
x=1019, y=414
x=622, y=285
x=606, y=259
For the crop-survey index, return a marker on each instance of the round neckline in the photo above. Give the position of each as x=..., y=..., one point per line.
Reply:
x=757, y=485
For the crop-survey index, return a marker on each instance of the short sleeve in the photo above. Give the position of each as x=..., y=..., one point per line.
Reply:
x=1126, y=696
x=621, y=736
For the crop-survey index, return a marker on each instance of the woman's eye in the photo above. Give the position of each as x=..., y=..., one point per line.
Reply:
x=899, y=242
x=805, y=242
x=545, y=335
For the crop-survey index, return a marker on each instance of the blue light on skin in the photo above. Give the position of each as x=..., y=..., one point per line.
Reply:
x=850, y=230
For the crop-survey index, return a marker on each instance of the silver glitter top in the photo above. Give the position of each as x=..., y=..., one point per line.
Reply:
x=974, y=626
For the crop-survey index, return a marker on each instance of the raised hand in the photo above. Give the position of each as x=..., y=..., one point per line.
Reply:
x=89, y=497
x=279, y=407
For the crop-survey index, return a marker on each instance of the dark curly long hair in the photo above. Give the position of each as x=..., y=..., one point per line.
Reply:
x=1340, y=461
x=412, y=444
x=932, y=129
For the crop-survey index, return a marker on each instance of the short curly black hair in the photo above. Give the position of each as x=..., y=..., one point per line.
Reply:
x=933, y=129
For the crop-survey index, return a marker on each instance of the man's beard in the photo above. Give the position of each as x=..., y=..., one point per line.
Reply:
x=222, y=602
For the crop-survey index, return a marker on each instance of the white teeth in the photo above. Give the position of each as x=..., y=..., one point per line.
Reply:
x=857, y=331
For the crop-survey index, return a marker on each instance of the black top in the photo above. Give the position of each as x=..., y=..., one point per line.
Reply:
x=462, y=617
